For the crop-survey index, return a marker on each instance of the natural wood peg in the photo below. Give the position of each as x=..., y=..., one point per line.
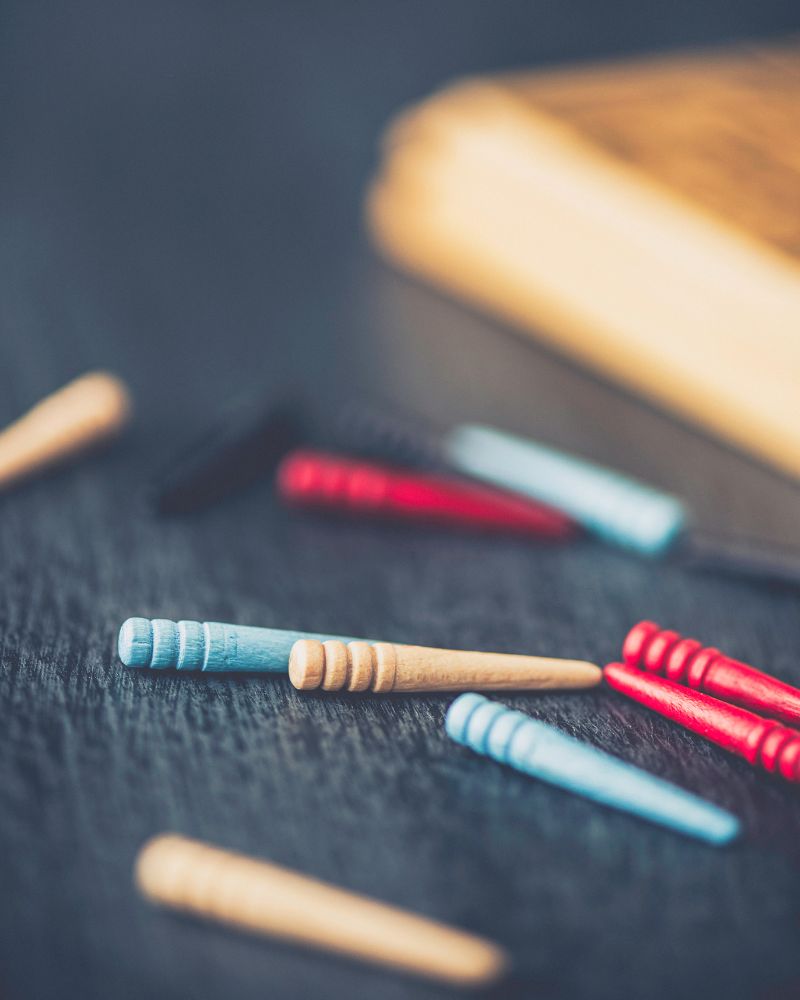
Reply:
x=82, y=413
x=264, y=898
x=383, y=666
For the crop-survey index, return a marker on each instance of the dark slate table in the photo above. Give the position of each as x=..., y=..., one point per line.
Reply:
x=180, y=196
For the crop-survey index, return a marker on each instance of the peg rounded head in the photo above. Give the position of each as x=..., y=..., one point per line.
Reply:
x=459, y=714
x=306, y=664
x=135, y=643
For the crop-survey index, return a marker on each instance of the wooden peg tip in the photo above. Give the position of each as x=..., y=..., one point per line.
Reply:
x=84, y=412
x=264, y=898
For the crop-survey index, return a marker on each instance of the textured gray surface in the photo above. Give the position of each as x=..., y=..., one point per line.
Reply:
x=180, y=203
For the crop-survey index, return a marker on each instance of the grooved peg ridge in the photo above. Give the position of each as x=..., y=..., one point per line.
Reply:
x=706, y=669
x=381, y=667
x=541, y=751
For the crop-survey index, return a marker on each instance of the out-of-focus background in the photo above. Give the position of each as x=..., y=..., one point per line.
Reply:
x=181, y=201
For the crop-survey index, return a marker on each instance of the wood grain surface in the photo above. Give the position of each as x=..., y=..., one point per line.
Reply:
x=180, y=200
x=689, y=123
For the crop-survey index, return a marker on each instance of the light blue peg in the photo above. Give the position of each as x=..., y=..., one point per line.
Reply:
x=616, y=508
x=542, y=751
x=212, y=646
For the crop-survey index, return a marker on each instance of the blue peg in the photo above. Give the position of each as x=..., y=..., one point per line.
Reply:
x=212, y=646
x=618, y=509
x=542, y=751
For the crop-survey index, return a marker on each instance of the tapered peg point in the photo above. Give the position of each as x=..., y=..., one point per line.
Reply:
x=82, y=413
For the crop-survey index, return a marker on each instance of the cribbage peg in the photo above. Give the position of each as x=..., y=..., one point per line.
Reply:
x=542, y=751
x=762, y=742
x=161, y=644
x=83, y=413
x=706, y=669
x=612, y=506
x=321, y=479
x=264, y=898
x=384, y=667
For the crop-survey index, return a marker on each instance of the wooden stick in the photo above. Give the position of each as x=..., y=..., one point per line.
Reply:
x=541, y=750
x=762, y=742
x=383, y=666
x=264, y=898
x=82, y=413
x=706, y=669
x=330, y=481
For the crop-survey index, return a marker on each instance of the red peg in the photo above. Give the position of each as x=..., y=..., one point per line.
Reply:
x=319, y=479
x=707, y=669
x=762, y=742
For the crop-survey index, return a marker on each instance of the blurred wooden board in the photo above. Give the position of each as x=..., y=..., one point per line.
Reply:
x=643, y=217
